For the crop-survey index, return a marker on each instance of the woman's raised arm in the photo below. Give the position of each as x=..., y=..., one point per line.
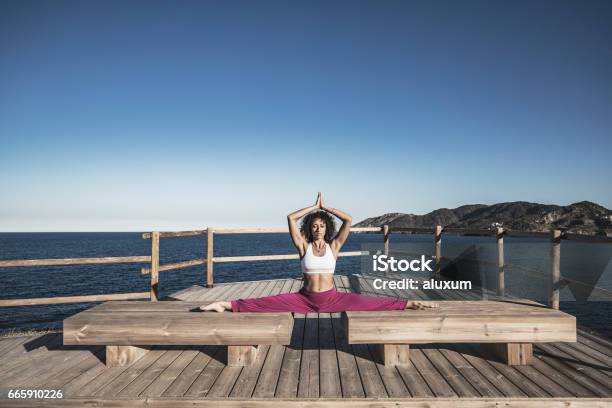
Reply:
x=294, y=230
x=345, y=229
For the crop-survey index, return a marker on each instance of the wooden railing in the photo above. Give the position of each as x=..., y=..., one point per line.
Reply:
x=210, y=259
x=75, y=299
x=153, y=270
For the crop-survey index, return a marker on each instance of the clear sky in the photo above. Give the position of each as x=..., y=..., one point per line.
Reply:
x=129, y=115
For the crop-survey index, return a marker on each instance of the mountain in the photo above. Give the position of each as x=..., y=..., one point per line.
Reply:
x=583, y=217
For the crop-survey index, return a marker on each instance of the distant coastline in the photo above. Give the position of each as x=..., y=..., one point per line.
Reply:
x=584, y=217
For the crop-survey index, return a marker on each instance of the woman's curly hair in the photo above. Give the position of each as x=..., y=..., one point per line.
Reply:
x=330, y=225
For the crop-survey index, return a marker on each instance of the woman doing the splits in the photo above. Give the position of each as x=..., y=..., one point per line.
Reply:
x=318, y=250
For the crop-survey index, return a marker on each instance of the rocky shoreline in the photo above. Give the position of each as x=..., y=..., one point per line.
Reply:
x=584, y=217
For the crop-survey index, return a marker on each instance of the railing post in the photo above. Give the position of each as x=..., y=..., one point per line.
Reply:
x=154, y=264
x=385, y=230
x=555, y=267
x=501, y=279
x=438, y=248
x=209, y=257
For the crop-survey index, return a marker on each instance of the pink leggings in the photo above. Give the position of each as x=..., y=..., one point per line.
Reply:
x=329, y=301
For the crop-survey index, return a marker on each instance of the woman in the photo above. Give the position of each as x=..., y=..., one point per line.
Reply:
x=318, y=251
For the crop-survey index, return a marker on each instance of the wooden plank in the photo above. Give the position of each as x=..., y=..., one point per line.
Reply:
x=349, y=374
x=585, y=357
x=605, y=342
x=188, y=376
x=370, y=377
x=73, y=299
x=154, y=265
x=9, y=344
x=308, y=386
x=170, y=374
x=589, y=342
x=24, y=345
x=546, y=383
x=146, y=377
x=595, y=372
x=268, y=377
x=432, y=377
x=501, y=279
x=413, y=383
x=281, y=230
x=97, y=382
x=34, y=365
x=180, y=294
x=577, y=373
x=290, y=368
x=470, y=373
x=57, y=370
x=74, y=261
x=118, y=383
x=500, y=375
x=562, y=379
x=255, y=258
x=598, y=356
x=82, y=380
x=353, y=403
x=176, y=328
x=453, y=322
x=329, y=374
x=171, y=234
x=202, y=384
x=555, y=268
x=175, y=265
x=245, y=384
x=535, y=376
x=209, y=294
x=460, y=385
x=209, y=257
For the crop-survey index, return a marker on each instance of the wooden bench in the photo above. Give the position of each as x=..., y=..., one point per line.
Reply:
x=508, y=329
x=126, y=328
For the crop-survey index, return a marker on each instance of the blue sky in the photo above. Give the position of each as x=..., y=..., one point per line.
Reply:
x=149, y=115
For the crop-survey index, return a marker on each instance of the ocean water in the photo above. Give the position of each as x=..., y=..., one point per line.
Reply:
x=585, y=266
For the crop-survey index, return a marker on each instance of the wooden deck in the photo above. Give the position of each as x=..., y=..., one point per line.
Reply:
x=317, y=368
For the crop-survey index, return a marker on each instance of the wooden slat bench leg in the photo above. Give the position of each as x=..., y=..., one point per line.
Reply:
x=512, y=353
x=394, y=354
x=120, y=356
x=240, y=356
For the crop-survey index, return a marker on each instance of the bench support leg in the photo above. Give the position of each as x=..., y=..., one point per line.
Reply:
x=240, y=356
x=512, y=353
x=393, y=354
x=120, y=356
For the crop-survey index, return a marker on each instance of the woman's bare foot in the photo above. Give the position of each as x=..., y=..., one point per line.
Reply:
x=421, y=304
x=217, y=307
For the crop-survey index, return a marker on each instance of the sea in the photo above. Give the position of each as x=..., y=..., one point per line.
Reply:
x=586, y=269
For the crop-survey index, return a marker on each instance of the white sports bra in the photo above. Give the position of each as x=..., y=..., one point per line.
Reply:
x=318, y=264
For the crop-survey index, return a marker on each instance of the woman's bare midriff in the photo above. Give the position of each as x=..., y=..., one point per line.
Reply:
x=318, y=282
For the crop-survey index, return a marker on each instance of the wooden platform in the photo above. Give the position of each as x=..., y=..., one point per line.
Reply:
x=319, y=367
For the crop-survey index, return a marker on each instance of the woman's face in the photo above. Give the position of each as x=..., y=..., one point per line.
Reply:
x=318, y=228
